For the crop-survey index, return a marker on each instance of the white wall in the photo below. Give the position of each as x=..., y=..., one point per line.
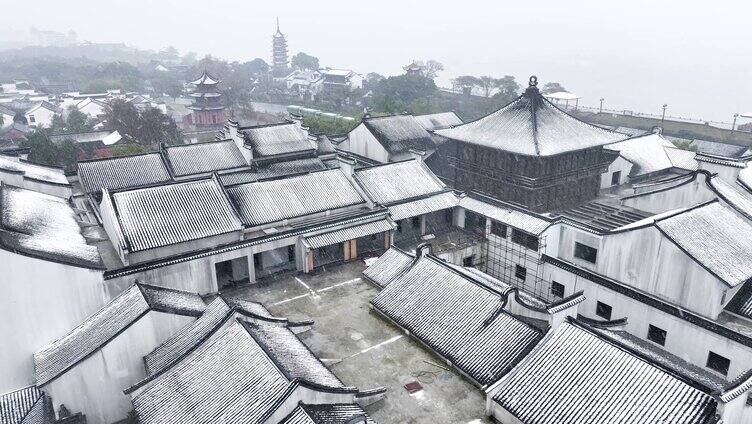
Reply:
x=42, y=117
x=681, y=196
x=361, y=142
x=95, y=386
x=42, y=301
x=620, y=164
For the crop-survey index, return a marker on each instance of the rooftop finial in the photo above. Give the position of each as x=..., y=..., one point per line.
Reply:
x=533, y=81
x=277, y=23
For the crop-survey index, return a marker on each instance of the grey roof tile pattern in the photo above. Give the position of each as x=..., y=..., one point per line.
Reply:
x=298, y=166
x=238, y=177
x=349, y=233
x=437, y=121
x=435, y=203
x=741, y=303
x=389, y=265
x=532, y=126
x=394, y=182
x=736, y=195
x=399, y=133
x=506, y=215
x=34, y=171
x=574, y=375
x=272, y=140
x=202, y=158
x=228, y=379
x=122, y=172
x=682, y=159
x=718, y=149
x=458, y=317
x=99, y=328
x=43, y=226
x=334, y=413
x=716, y=238
x=291, y=355
x=275, y=200
x=163, y=215
x=15, y=405
x=646, y=153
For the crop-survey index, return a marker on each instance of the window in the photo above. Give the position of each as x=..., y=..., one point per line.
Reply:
x=718, y=363
x=603, y=310
x=520, y=272
x=585, y=252
x=615, y=177
x=475, y=223
x=416, y=222
x=468, y=261
x=656, y=335
x=557, y=289
x=524, y=239
x=32, y=119
x=498, y=229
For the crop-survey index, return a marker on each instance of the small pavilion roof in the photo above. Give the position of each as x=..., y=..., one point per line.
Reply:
x=205, y=79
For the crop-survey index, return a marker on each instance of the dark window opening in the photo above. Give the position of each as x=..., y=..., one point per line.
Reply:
x=520, y=272
x=603, y=310
x=557, y=289
x=475, y=222
x=615, y=177
x=399, y=226
x=585, y=252
x=468, y=261
x=416, y=222
x=656, y=335
x=498, y=229
x=718, y=363
x=524, y=239
x=291, y=253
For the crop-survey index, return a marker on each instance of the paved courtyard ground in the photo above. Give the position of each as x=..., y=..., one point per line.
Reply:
x=365, y=351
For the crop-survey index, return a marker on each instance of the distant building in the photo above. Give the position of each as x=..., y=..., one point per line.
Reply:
x=41, y=114
x=280, y=59
x=341, y=79
x=414, y=68
x=207, y=101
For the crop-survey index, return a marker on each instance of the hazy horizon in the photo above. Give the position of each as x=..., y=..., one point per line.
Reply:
x=637, y=56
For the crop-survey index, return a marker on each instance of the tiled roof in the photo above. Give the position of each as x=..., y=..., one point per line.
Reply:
x=437, y=121
x=745, y=177
x=719, y=149
x=298, y=166
x=33, y=171
x=682, y=159
x=399, y=133
x=229, y=378
x=460, y=318
x=275, y=200
x=646, y=153
x=575, y=375
x=388, y=266
x=741, y=303
x=277, y=139
x=176, y=346
x=101, y=327
x=734, y=194
x=716, y=238
x=201, y=158
x=434, y=203
x=394, y=182
x=44, y=226
x=349, y=233
x=532, y=126
x=167, y=214
x=343, y=413
x=508, y=215
x=122, y=172
x=15, y=405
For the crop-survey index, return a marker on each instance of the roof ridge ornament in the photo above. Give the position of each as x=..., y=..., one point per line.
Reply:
x=533, y=82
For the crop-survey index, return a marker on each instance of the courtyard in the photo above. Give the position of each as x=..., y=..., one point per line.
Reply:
x=366, y=351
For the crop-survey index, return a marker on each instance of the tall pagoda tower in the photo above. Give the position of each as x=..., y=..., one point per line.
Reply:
x=207, y=101
x=280, y=61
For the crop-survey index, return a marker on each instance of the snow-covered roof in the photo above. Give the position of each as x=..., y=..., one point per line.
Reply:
x=122, y=172
x=646, y=153
x=43, y=226
x=399, y=133
x=562, y=95
x=532, y=126
x=270, y=201
x=745, y=177
x=437, y=121
x=578, y=375
x=173, y=213
x=33, y=171
x=347, y=413
x=734, y=194
x=277, y=139
x=716, y=238
x=205, y=79
x=398, y=181
x=388, y=266
x=202, y=158
x=682, y=159
x=16, y=406
x=98, y=329
x=106, y=137
x=459, y=317
x=506, y=214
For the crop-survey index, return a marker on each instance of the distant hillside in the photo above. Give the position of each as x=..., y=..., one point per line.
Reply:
x=96, y=52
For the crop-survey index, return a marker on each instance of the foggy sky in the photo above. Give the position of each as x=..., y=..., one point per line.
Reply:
x=637, y=54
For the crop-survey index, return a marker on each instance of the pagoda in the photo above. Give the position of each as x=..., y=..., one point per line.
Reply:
x=207, y=101
x=280, y=61
x=530, y=153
